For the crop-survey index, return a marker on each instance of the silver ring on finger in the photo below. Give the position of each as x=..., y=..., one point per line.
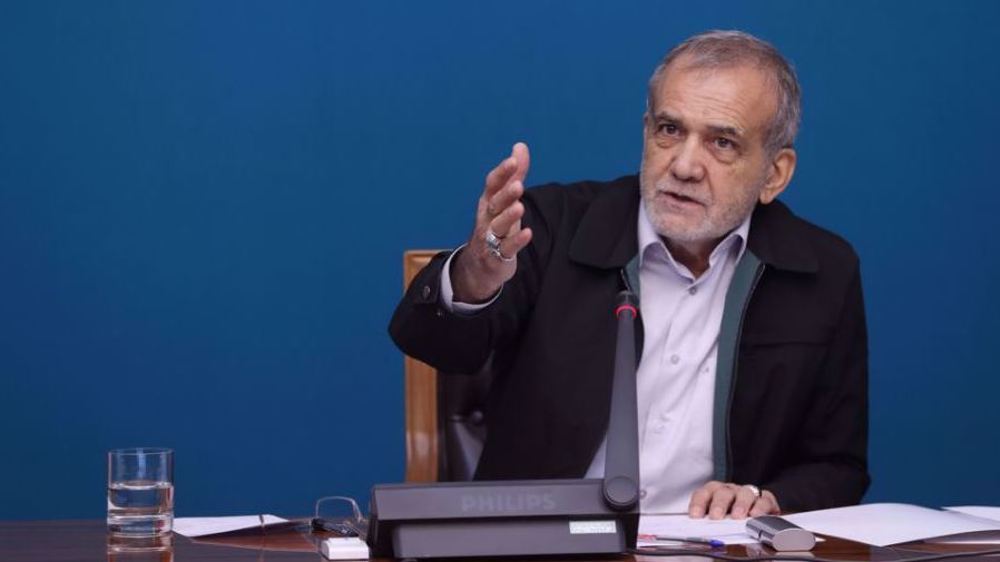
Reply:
x=498, y=255
x=755, y=490
x=492, y=241
x=493, y=246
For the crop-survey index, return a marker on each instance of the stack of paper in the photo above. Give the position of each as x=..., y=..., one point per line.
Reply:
x=982, y=537
x=884, y=524
x=878, y=524
x=728, y=531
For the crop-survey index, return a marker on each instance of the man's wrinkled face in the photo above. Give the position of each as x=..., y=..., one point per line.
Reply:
x=704, y=163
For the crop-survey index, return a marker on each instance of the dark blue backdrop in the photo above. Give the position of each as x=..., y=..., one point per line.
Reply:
x=203, y=206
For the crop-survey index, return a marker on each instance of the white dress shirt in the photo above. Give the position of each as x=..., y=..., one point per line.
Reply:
x=676, y=376
x=675, y=381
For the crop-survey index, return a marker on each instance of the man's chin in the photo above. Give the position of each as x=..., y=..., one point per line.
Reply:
x=681, y=232
x=676, y=226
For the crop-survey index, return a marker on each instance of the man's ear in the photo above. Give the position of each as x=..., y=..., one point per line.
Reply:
x=781, y=170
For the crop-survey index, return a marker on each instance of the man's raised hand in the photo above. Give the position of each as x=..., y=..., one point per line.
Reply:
x=490, y=257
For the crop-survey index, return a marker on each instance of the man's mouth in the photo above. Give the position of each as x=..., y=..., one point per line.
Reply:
x=680, y=198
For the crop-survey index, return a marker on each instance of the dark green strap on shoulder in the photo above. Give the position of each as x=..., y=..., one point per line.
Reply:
x=632, y=275
x=725, y=375
x=732, y=318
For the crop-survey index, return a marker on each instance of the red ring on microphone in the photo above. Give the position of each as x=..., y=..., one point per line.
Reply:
x=618, y=311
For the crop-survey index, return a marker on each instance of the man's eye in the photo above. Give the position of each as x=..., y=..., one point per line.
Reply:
x=724, y=143
x=668, y=129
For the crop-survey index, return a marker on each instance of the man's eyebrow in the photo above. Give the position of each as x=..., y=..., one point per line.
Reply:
x=726, y=130
x=666, y=116
x=715, y=129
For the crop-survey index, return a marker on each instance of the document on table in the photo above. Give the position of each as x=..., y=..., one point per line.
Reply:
x=204, y=526
x=884, y=524
x=729, y=531
x=981, y=537
x=983, y=511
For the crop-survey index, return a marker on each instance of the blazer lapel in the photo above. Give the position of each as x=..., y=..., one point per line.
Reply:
x=607, y=236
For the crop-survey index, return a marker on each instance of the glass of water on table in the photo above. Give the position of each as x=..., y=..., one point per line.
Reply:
x=140, y=494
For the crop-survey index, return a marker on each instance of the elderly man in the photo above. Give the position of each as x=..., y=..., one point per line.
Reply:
x=752, y=381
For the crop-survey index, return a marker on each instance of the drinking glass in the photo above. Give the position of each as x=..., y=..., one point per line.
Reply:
x=140, y=492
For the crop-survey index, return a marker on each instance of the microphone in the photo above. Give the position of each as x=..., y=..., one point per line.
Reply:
x=621, y=463
x=526, y=517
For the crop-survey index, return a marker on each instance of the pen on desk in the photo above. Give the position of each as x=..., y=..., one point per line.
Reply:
x=714, y=543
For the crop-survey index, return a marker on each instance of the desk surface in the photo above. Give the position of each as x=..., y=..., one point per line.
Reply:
x=79, y=541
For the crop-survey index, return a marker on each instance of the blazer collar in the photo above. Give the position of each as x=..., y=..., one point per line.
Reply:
x=780, y=239
x=607, y=238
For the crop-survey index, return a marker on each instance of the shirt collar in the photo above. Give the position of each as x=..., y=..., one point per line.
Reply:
x=648, y=237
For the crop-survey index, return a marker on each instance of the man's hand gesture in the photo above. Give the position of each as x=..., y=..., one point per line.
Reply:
x=490, y=257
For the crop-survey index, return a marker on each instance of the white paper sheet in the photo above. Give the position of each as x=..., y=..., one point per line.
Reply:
x=984, y=537
x=986, y=512
x=729, y=531
x=884, y=524
x=204, y=526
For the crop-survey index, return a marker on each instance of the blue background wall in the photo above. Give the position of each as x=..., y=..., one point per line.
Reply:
x=203, y=206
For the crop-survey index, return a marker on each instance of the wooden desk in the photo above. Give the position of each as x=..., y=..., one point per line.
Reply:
x=86, y=541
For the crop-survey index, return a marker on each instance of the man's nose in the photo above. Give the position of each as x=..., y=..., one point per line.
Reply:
x=687, y=165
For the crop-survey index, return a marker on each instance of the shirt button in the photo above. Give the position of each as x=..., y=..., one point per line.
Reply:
x=693, y=290
x=642, y=493
x=675, y=359
x=426, y=292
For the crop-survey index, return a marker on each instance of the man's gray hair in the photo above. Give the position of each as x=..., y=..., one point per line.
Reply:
x=726, y=49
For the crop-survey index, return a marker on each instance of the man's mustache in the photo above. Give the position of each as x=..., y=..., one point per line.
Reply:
x=683, y=192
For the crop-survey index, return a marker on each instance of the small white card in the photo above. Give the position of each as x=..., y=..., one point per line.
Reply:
x=204, y=526
x=592, y=527
x=344, y=548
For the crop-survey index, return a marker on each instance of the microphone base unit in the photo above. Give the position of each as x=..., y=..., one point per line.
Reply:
x=498, y=518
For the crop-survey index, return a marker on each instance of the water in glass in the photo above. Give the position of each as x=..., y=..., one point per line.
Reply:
x=140, y=508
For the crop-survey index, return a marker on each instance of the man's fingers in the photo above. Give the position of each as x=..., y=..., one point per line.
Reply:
x=506, y=223
x=745, y=500
x=702, y=498
x=767, y=504
x=511, y=245
x=512, y=168
x=499, y=176
x=721, y=500
x=718, y=499
x=503, y=199
x=522, y=158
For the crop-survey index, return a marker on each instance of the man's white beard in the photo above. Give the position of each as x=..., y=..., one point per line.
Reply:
x=713, y=226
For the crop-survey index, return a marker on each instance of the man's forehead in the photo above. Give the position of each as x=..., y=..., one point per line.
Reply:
x=739, y=96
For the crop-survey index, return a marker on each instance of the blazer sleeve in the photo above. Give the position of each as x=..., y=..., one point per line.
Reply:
x=460, y=342
x=833, y=448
